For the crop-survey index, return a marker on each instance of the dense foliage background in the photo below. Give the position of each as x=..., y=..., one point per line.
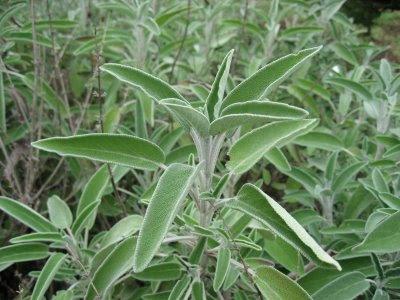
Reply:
x=340, y=181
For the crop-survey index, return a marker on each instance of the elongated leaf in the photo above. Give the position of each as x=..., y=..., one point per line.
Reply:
x=59, y=212
x=253, y=145
x=85, y=218
x=346, y=287
x=47, y=274
x=301, y=30
x=187, y=115
x=117, y=263
x=275, y=285
x=319, y=140
x=223, y=259
x=171, y=190
x=253, y=202
x=353, y=86
x=379, y=181
x=218, y=88
x=38, y=237
x=345, y=176
x=385, y=238
x=344, y=53
x=93, y=189
x=123, y=229
x=267, y=78
x=160, y=272
x=119, y=149
x=390, y=200
x=180, y=288
x=278, y=159
x=154, y=87
x=198, y=291
x=23, y=252
x=255, y=113
x=26, y=215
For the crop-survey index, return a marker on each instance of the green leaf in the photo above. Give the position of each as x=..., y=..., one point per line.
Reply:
x=47, y=274
x=180, y=288
x=253, y=202
x=385, y=238
x=340, y=181
x=119, y=149
x=283, y=253
x=353, y=86
x=331, y=166
x=117, y=263
x=301, y=30
x=390, y=200
x=38, y=237
x=171, y=190
x=255, y=113
x=59, y=212
x=198, y=291
x=198, y=250
x=122, y=229
x=278, y=159
x=11, y=10
x=85, y=218
x=216, y=94
x=160, y=272
x=189, y=117
x=23, y=252
x=93, y=189
x=379, y=181
x=346, y=287
x=253, y=145
x=344, y=53
x=221, y=270
x=319, y=140
x=26, y=215
x=261, y=83
x=154, y=87
x=275, y=285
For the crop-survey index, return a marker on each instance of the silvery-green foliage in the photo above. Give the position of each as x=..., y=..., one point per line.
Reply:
x=210, y=150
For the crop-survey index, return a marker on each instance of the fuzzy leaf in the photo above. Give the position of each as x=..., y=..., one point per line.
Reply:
x=385, y=238
x=26, y=215
x=353, y=86
x=59, y=212
x=187, y=115
x=117, y=263
x=47, y=274
x=170, y=191
x=319, y=140
x=218, y=88
x=119, y=149
x=122, y=229
x=261, y=83
x=180, y=288
x=154, y=87
x=223, y=259
x=255, y=113
x=278, y=159
x=253, y=145
x=346, y=287
x=275, y=285
x=49, y=237
x=253, y=202
x=345, y=176
x=23, y=252
x=160, y=272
